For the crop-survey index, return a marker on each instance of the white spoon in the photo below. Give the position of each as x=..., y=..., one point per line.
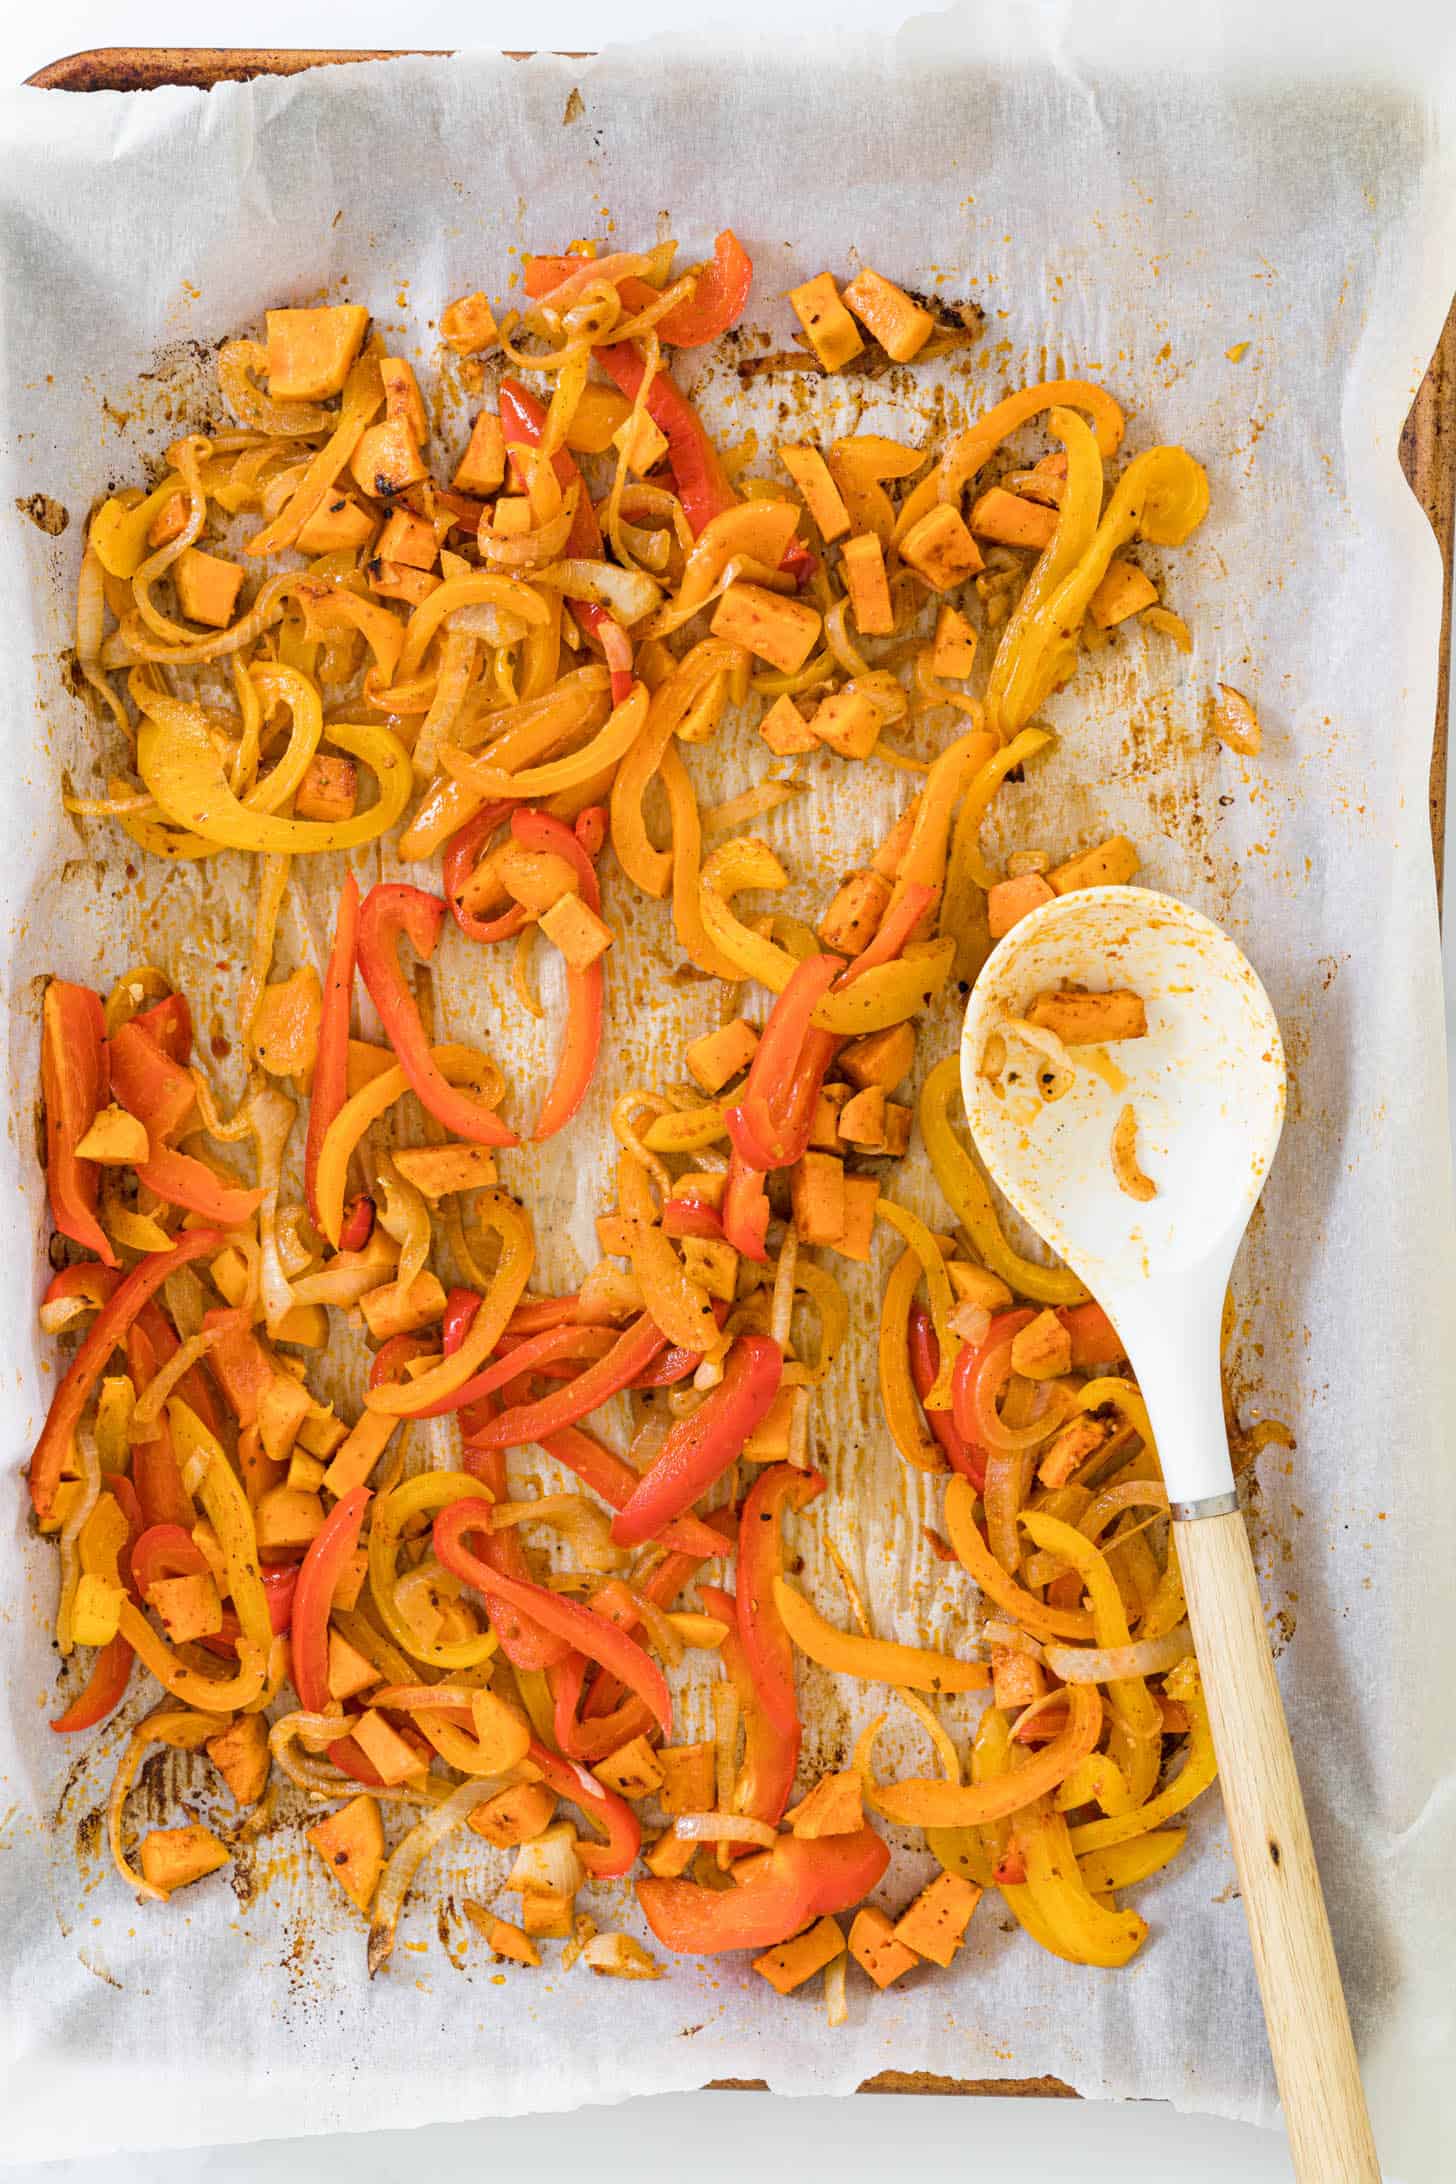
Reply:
x=1206, y=1085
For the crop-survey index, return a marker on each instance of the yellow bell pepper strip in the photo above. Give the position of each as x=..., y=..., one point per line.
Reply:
x=645, y=865
x=428, y=1491
x=687, y=856
x=105, y=1545
x=330, y=1084
x=968, y=1195
x=973, y=449
x=1087, y=1930
x=973, y=1553
x=363, y=396
x=181, y=767
x=611, y=743
x=923, y=1802
x=873, y=1660
x=520, y=735
x=966, y=859
x=75, y=1074
x=410, y=1398
x=680, y=1306
x=476, y=589
x=387, y=911
x=1011, y=691
x=937, y=1282
x=1123, y=1865
x=457, y=1064
x=207, y=1474
x=1199, y=1770
x=216, y=1695
x=1133, y=1705
x=118, y=534
x=897, y=1395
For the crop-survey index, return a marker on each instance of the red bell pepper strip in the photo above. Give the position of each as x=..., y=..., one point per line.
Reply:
x=462, y=853
x=149, y=1084
x=591, y=1634
x=166, y=1550
x=74, y=1076
x=687, y=1216
x=978, y=1366
x=583, y=1036
x=279, y=1584
x=616, y=1482
x=93, y=1284
x=357, y=1226
x=718, y=300
x=389, y=910
x=662, y=1588
x=770, y=1125
x=183, y=1181
x=240, y=1365
x=799, y=1880
x=591, y=828
x=630, y=1355
x=766, y=1642
x=702, y=486
x=770, y=1759
x=194, y=1387
x=699, y=1448
x=170, y=1024
x=746, y=1210
x=612, y=1814
x=962, y=1455
x=330, y=1086
x=111, y=1670
x=530, y=1354
x=1096, y=1344
x=109, y=1328
x=313, y=1597
x=898, y=923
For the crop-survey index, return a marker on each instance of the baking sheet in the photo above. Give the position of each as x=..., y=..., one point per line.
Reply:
x=1123, y=212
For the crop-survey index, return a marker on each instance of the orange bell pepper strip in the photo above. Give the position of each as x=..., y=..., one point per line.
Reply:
x=770, y=1758
x=800, y=1879
x=149, y=1083
x=68, y=1405
x=313, y=1597
x=701, y=1447
x=169, y=1023
x=387, y=911
x=330, y=1086
x=766, y=1643
x=183, y=1181
x=74, y=1075
x=702, y=485
x=584, y=989
x=769, y=1127
x=718, y=300
x=745, y=1211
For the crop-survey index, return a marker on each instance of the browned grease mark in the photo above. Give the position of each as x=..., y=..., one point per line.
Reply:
x=46, y=514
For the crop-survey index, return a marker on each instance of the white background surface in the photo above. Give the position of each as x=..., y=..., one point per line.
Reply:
x=707, y=2136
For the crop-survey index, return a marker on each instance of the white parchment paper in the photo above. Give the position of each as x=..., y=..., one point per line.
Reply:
x=1128, y=198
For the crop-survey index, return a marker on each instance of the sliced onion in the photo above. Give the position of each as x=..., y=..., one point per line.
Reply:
x=1012, y=1635
x=86, y=1500
x=548, y=1865
x=147, y=1413
x=1036, y=1036
x=724, y=1827
x=529, y=549
x=1109, y=1664
x=618, y=1956
x=494, y=626
x=271, y=1118
x=627, y=592
x=408, y=1856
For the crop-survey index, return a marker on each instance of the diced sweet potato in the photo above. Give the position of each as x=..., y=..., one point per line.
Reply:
x=349, y=1672
x=824, y=1125
x=645, y=443
x=1108, y=864
x=835, y=1806
x=935, y=1924
x=828, y=327
x=768, y=1443
x=774, y=627
x=439, y=1170
x=862, y=564
x=359, y=1452
x=305, y=1472
x=468, y=324
x=172, y=1858
x=954, y=655
x=941, y=549
x=898, y=1123
x=577, y=931
x=396, y=580
x=282, y=1408
x=822, y=497
x=596, y=417
x=509, y=1941
x=547, y=1916
x=1124, y=591
x=285, y=1519
x=387, y=460
x=328, y=791
x=792, y=1962
x=785, y=730
x=382, y=1745
x=862, y=1119
x=861, y=1196
x=1070, y=1449
x=853, y=917
x=261, y=1476
x=719, y=1056
x=310, y=352
x=672, y=1854
x=1043, y=1349
x=115, y=1139
x=899, y=326
x=849, y=722
x=408, y=538
x=535, y=878
x=713, y=1264
x=1009, y=901
x=515, y=1816
x=95, y=1610
x=350, y=1581
x=1012, y=521
x=511, y=516
x=874, y=1948
x=339, y=526
x=386, y=1313
x=1016, y=1679
x=241, y=1756
x=482, y=468
x=687, y=1778
x=207, y=587
x=884, y=1058
x=351, y=1844
x=817, y=1189
x=977, y=1285
x=404, y=405
x=188, y=1606
x=1090, y=1019
x=632, y=1770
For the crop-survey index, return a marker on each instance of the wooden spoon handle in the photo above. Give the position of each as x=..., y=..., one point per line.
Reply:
x=1304, y=2005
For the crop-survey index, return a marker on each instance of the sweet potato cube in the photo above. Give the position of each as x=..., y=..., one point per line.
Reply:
x=954, y=654
x=687, y=1778
x=241, y=1756
x=386, y=1313
x=632, y=1770
x=282, y=1408
x=286, y=1518
x=1016, y=1679
x=577, y=931
x=439, y=1170
x=359, y=1452
x=817, y=1188
x=822, y=497
x=508, y=1941
x=393, y=1760
x=935, y=1924
x=1070, y=1449
x=115, y=1139
x=862, y=561
x=862, y=1119
x=408, y=538
x=976, y=1285
x=535, y=878
x=339, y=526
x=403, y=403
x=305, y=1472
x=547, y=1916
x=189, y=1606
x=792, y=1962
x=207, y=587
x=1042, y=1350
x=596, y=417
x=884, y=1058
x=310, y=352
x=835, y=1806
x=514, y=1816
x=351, y=1844
x=349, y=1672
x=768, y=1443
x=1009, y=901
x=824, y=1124
x=511, y=516
x=828, y=327
x=1012, y=521
x=899, y=326
x=1124, y=591
x=853, y=917
x=350, y=1582
x=259, y=1472
x=387, y=460
x=849, y=722
x=713, y=1264
x=672, y=1854
x=328, y=791
x=468, y=324
x=898, y=1123
x=861, y=1196
x=719, y=1056
x=395, y=580
x=1090, y=1019
x=781, y=630
x=482, y=468
x=942, y=550
x=170, y=521
x=95, y=1610
x=644, y=442
x=874, y=1948
x=1108, y=864
x=171, y=1858
x=785, y=730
